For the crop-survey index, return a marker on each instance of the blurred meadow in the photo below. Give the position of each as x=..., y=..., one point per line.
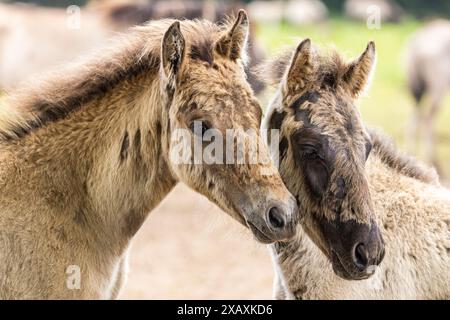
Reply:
x=388, y=104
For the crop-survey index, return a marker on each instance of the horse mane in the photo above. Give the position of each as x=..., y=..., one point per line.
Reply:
x=406, y=165
x=130, y=55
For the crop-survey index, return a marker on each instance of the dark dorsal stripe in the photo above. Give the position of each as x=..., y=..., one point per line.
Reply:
x=137, y=145
x=125, y=146
x=137, y=139
x=83, y=93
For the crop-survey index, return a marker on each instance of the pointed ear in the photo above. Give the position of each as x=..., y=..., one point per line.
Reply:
x=300, y=68
x=360, y=71
x=233, y=44
x=172, y=51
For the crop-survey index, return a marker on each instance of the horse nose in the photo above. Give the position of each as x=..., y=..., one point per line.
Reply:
x=363, y=258
x=360, y=256
x=276, y=218
x=281, y=220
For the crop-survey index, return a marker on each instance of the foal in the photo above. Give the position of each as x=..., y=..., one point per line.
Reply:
x=322, y=159
x=322, y=153
x=86, y=155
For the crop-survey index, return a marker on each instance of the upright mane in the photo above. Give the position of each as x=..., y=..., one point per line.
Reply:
x=130, y=55
x=386, y=151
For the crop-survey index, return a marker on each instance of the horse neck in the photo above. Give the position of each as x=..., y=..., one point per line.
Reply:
x=135, y=169
x=113, y=153
x=297, y=260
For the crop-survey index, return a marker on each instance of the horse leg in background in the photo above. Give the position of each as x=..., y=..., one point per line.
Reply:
x=413, y=129
x=417, y=86
x=430, y=121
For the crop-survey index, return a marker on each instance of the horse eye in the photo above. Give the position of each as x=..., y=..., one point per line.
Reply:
x=309, y=151
x=199, y=128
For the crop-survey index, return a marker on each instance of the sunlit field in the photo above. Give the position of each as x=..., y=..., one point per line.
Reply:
x=388, y=104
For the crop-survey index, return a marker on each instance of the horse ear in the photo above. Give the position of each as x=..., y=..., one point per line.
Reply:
x=233, y=44
x=300, y=68
x=359, y=72
x=172, y=51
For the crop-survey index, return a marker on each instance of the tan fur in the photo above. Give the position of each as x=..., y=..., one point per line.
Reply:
x=85, y=158
x=410, y=206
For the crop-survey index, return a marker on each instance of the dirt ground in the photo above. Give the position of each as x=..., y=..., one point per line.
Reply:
x=190, y=249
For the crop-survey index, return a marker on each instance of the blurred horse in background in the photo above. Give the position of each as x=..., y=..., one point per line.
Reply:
x=34, y=39
x=428, y=68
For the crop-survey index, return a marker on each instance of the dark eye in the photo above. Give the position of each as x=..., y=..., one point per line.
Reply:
x=368, y=149
x=199, y=127
x=310, y=152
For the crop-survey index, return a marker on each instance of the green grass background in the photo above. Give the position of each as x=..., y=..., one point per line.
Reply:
x=388, y=104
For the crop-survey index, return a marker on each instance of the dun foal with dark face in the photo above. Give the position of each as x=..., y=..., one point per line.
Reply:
x=86, y=156
x=322, y=153
x=345, y=191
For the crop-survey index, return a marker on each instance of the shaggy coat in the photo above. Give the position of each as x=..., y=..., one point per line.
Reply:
x=410, y=206
x=86, y=154
x=323, y=150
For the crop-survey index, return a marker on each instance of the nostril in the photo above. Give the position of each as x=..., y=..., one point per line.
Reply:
x=361, y=257
x=276, y=219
